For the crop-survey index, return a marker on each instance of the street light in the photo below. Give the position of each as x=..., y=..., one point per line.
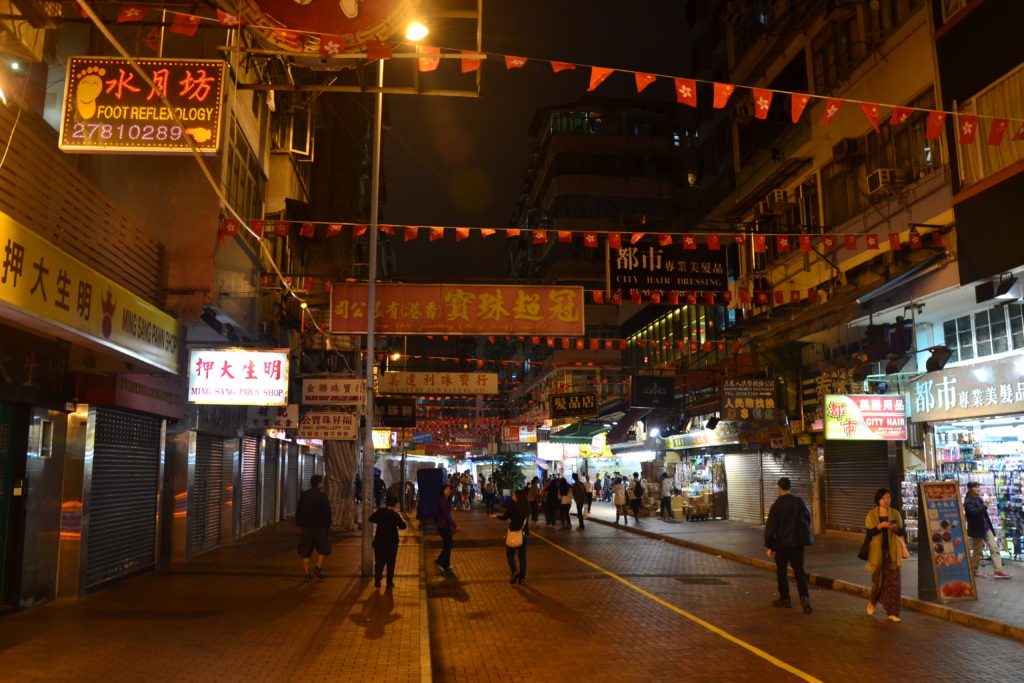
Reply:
x=416, y=30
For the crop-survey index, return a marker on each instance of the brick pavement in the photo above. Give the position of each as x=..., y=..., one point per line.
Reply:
x=572, y=619
x=240, y=613
x=1000, y=601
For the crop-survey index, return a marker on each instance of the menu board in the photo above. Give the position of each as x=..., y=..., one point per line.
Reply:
x=944, y=534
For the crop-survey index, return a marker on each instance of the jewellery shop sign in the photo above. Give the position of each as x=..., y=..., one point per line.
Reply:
x=988, y=388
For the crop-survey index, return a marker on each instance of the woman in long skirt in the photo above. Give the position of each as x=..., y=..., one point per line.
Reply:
x=885, y=555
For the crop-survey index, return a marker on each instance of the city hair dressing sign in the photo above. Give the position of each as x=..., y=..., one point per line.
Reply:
x=109, y=108
x=677, y=267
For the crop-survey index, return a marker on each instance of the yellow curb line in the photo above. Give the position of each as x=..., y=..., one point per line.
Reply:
x=692, y=617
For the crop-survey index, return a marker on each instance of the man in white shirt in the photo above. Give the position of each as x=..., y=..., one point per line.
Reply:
x=666, y=496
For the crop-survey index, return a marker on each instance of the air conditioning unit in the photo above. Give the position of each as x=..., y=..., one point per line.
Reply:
x=778, y=200
x=881, y=178
x=847, y=149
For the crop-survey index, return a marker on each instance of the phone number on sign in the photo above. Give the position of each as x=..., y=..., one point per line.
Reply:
x=108, y=131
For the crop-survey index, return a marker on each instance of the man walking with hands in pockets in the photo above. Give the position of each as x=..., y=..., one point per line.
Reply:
x=786, y=532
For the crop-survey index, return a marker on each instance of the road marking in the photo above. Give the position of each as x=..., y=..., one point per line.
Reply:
x=692, y=617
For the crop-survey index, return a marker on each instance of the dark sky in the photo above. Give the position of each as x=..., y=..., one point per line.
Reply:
x=460, y=162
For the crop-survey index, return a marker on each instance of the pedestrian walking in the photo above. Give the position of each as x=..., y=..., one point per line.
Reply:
x=385, y=540
x=550, y=492
x=786, y=532
x=598, y=494
x=533, y=497
x=885, y=555
x=619, y=499
x=380, y=490
x=635, y=495
x=446, y=527
x=579, y=496
x=588, y=488
x=313, y=516
x=518, y=516
x=666, y=496
x=490, y=496
x=981, y=532
x=564, y=502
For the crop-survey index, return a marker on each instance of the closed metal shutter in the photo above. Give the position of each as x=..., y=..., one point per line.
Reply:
x=204, y=501
x=250, y=482
x=291, y=482
x=854, y=470
x=795, y=464
x=743, y=486
x=122, y=505
x=308, y=470
x=271, y=481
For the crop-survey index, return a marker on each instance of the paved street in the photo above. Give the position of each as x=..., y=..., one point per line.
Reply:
x=622, y=606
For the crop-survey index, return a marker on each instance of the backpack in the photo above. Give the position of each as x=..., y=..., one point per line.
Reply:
x=638, y=490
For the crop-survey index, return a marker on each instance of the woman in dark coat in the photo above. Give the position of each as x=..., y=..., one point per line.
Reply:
x=445, y=527
x=518, y=516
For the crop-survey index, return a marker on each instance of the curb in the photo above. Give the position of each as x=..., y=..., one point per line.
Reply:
x=426, y=657
x=931, y=609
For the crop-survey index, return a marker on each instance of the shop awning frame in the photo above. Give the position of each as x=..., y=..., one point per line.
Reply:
x=579, y=433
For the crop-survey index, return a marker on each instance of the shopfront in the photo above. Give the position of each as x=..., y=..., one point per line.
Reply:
x=973, y=417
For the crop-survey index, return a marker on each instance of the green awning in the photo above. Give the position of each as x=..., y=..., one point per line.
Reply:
x=579, y=433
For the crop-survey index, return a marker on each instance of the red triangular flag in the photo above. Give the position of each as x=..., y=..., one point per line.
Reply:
x=936, y=239
x=832, y=106
x=436, y=233
x=331, y=45
x=851, y=242
x=562, y=66
x=805, y=243
x=427, y=63
x=915, y=240
x=673, y=298
x=689, y=242
x=655, y=297
x=871, y=241
x=411, y=233
x=282, y=228
x=812, y=295
x=871, y=112
x=598, y=296
x=512, y=232
x=782, y=243
x=378, y=50
x=590, y=239
x=185, y=24
x=230, y=227
x=899, y=115
x=740, y=239
x=636, y=297
x=333, y=229
x=723, y=91
x=359, y=229
x=643, y=80
x=615, y=240
x=514, y=62
x=597, y=76
x=540, y=236
x=829, y=242
x=387, y=229
x=762, y=102
x=461, y=234
x=131, y=13
x=80, y=10
x=997, y=131
x=487, y=232
x=564, y=236
x=594, y=344
x=469, y=63
x=797, y=103
x=664, y=239
x=617, y=296
x=686, y=91
x=967, y=129
x=636, y=237
x=256, y=227
x=933, y=131
x=226, y=19
x=760, y=243
x=307, y=230
x=794, y=296
x=714, y=242
x=894, y=241
x=152, y=39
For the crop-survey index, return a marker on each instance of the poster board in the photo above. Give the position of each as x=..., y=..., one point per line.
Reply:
x=944, y=572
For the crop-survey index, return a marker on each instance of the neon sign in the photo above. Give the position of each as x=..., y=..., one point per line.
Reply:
x=109, y=108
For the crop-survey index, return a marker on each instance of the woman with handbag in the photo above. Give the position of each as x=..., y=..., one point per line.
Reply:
x=619, y=498
x=517, y=536
x=886, y=552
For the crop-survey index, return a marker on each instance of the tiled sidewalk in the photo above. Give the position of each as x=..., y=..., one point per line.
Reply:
x=240, y=613
x=1000, y=605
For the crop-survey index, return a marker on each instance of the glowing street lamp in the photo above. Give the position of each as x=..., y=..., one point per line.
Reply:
x=416, y=31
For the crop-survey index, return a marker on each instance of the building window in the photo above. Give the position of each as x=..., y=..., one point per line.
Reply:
x=996, y=330
x=245, y=184
x=836, y=52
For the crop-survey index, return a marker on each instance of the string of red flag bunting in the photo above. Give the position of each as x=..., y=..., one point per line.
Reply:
x=968, y=126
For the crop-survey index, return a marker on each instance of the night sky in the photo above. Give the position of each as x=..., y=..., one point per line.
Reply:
x=460, y=162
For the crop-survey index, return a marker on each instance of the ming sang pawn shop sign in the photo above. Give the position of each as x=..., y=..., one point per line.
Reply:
x=108, y=107
x=573, y=405
x=238, y=377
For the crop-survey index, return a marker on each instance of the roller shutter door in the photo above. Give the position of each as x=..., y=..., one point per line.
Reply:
x=854, y=470
x=291, y=482
x=795, y=464
x=743, y=486
x=308, y=470
x=271, y=481
x=250, y=482
x=122, y=505
x=204, y=501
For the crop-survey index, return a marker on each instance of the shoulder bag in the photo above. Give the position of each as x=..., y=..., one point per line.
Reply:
x=865, y=548
x=514, y=537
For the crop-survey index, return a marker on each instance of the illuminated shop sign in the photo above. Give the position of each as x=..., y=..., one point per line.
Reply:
x=384, y=439
x=442, y=383
x=334, y=392
x=108, y=107
x=328, y=426
x=865, y=417
x=238, y=377
x=279, y=417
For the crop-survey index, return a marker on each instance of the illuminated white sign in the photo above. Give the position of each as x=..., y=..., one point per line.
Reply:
x=334, y=392
x=269, y=417
x=238, y=377
x=342, y=426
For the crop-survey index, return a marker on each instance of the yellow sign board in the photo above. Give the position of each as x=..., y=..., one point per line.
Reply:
x=44, y=282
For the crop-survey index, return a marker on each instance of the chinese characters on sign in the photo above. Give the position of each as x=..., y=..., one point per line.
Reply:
x=865, y=417
x=327, y=426
x=333, y=392
x=447, y=383
x=109, y=108
x=396, y=412
x=518, y=434
x=264, y=417
x=989, y=388
x=943, y=532
x=459, y=309
x=573, y=405
x=46, y=283
x=238, y=377
x=746, y=399
x=651, y=392
x=668, y=268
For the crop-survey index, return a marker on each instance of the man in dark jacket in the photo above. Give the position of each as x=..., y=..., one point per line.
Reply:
x=786, y=533
x=579, y=496
x=313, y=515
x=981, y=531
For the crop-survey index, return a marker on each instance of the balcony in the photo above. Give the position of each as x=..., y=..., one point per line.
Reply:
x=1003, y=98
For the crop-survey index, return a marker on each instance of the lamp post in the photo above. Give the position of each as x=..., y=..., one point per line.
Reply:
x=416, y=31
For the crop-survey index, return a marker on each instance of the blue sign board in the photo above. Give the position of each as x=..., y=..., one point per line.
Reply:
x=942, y=539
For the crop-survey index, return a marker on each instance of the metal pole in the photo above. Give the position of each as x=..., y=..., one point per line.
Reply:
x=366, y=564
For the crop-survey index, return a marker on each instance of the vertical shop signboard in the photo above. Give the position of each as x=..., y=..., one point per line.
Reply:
x=943, y=540
x=5, y=487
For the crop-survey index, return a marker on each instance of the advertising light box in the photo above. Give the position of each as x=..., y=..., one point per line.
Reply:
x=108, y=107
x=238, y=377
x=865, y=417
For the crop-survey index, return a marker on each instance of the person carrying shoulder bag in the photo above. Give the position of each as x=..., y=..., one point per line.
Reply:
x=517, y=538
